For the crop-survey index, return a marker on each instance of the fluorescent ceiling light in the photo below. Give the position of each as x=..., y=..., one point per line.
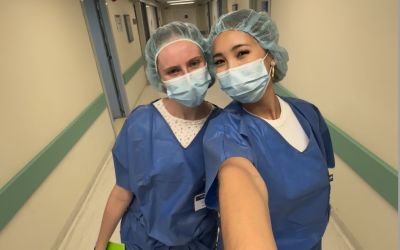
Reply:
x=181, y=3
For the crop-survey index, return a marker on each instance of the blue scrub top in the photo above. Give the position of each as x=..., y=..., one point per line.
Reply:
x=165, y=178
x=297, y=182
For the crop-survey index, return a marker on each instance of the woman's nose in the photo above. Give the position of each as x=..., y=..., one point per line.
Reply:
x=185, y=71
x=231, y=64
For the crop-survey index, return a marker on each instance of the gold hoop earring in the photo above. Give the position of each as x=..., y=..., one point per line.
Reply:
x=273, y=72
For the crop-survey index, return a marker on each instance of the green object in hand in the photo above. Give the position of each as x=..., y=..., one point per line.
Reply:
x=115, y=246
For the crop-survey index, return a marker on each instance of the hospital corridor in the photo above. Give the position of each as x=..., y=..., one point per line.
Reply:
x=72, y=72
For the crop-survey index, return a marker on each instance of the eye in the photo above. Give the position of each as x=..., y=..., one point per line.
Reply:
x=243, y=53
x=194, y=63
x=218, y=62
x=172, y=72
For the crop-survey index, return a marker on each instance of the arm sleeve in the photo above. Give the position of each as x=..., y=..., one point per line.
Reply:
x=327, y=141
x=120, y=157
x=223, y=140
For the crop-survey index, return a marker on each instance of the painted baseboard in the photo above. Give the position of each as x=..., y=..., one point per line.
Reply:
x=346, y=232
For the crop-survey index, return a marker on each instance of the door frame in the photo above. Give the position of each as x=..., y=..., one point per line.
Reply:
x=206, y=19
x=114, y=55
x=209, y=16
x=104, y=48
x=157, y=18
x=145, y=20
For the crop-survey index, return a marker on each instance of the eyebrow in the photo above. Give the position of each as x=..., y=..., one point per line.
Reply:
x=194, y=58
x=233, y=48
x=170, y=68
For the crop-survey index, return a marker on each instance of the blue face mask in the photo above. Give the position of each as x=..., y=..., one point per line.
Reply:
x=189, y=89
x=246, y=83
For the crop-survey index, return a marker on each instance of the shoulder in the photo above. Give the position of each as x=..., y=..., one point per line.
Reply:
x=139, y=117
x=302, y=105
x=141, y=111
x=225, y=117
x=297, y=101
x=229, y=120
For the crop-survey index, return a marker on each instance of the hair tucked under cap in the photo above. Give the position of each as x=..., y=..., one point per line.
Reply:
x=258, y=25
x=165, y=35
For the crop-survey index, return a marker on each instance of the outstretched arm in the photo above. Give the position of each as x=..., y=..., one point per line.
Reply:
x=243, y=200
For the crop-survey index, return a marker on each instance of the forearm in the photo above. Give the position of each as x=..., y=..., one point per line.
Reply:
x=115, y=208
x=244, y=210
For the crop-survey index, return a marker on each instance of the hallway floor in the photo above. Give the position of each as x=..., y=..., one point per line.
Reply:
x=84, y=230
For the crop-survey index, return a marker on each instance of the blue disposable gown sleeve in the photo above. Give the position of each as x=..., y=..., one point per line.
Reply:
x=226, y=137
x=121, y=160
x=327, y=141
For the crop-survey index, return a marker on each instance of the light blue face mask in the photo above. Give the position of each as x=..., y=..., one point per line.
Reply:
x=246, y=83
x=189, y=89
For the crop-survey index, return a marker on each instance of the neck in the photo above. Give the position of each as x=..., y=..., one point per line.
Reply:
x=181, y=111
x=267, y=107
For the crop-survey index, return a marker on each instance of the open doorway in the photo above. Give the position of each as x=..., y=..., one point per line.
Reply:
x=151, y=19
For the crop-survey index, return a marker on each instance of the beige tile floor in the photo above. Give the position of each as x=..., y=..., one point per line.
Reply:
x=84, y=230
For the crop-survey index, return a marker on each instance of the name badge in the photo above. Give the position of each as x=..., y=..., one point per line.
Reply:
x=199, y=202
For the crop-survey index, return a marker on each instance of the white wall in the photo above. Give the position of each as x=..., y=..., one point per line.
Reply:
x=128, y=53
x=343, y=58
x=242, y=4
x=48, y=77
x=167, y=14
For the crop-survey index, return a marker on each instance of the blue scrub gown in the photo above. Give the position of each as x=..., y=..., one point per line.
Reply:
x=165, y=178
x=297, y=182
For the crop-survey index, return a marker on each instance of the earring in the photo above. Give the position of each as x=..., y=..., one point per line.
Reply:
x=273, y=72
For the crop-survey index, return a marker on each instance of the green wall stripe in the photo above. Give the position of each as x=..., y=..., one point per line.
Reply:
x=18, y=190
x=131, y=71
x=377, y=173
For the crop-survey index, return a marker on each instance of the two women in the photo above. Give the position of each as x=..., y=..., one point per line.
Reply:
x=259, y=141
x=158, y=156
x=285, y=139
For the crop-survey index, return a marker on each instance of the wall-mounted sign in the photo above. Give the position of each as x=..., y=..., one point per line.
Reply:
x=234, y=7
x=118, y=21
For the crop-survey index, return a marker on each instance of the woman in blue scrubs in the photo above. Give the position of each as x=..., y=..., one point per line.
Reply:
x=285, y=139
x=158, y=156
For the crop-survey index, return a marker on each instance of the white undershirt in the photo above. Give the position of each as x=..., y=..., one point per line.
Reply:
x=184, y=130
x=289, y=127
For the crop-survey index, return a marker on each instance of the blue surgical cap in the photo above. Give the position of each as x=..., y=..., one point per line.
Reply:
x=165, y=35
x=258, y=25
